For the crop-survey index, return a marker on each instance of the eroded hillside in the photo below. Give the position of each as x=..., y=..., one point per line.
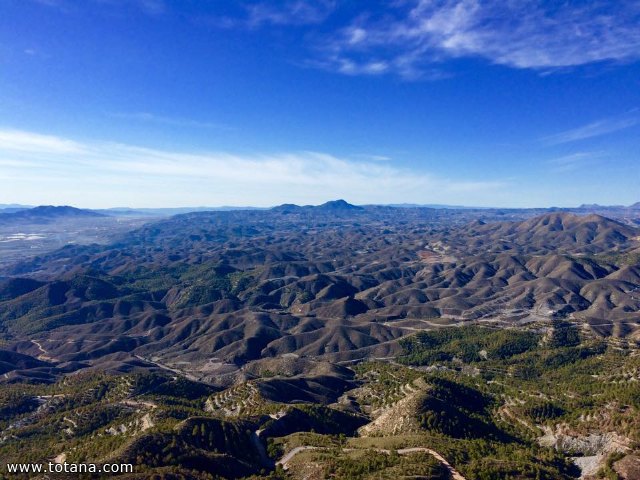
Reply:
x=207, y=294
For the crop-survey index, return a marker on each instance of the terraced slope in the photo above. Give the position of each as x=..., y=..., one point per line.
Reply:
x=540, y=401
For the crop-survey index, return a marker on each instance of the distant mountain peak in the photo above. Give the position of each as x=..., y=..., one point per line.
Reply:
x=339, y=204
x=287, y=208
x=60, y=211
x=330, y=206
x=45, y=213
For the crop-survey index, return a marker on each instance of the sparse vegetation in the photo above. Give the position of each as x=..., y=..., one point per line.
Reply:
x=227, y=342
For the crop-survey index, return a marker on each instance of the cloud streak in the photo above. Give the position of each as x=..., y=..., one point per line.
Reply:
x=28, y=142
x=170, y=121
x=593, y=129
x=105, y=174
x=150, y=7
x=575, y=161
x=420, y=34
x=259, y=14
x=297, y=12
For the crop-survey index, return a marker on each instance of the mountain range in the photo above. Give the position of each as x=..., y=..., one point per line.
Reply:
x=336, y=282
x=332, y=340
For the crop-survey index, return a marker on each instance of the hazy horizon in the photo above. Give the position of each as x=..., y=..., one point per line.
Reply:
x=266, y=207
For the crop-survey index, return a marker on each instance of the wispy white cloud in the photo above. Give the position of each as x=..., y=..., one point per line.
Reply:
x=57, y=170
x=594, y=129
x=296, y=12
x=257, y=14
x=352, y=67
x=151, y=7
x=21, y=141
x=418, y=34
x=369, y=156
x=413, y=38
x=171, y=121
x=575, y=161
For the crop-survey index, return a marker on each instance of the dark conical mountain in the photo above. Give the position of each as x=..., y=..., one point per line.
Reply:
x=338, y=205
x=287, y=208
x=333, y=206
x=60, y=211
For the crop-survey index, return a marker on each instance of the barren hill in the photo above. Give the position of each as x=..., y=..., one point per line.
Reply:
x=243, y=286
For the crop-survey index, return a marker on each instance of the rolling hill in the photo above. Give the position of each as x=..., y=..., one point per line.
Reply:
x=242, y=340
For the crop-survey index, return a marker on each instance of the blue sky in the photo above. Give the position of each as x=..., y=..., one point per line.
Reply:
x=180, y=103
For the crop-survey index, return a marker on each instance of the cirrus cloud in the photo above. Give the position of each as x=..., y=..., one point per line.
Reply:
x=417, y=34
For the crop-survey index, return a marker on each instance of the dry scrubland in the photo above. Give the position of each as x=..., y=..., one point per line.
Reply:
x=353, y=342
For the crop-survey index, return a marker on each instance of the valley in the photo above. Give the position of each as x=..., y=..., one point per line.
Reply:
x=28, y=232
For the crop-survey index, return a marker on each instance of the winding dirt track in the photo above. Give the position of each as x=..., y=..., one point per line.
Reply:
x=44, y=356
x=455, y=475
